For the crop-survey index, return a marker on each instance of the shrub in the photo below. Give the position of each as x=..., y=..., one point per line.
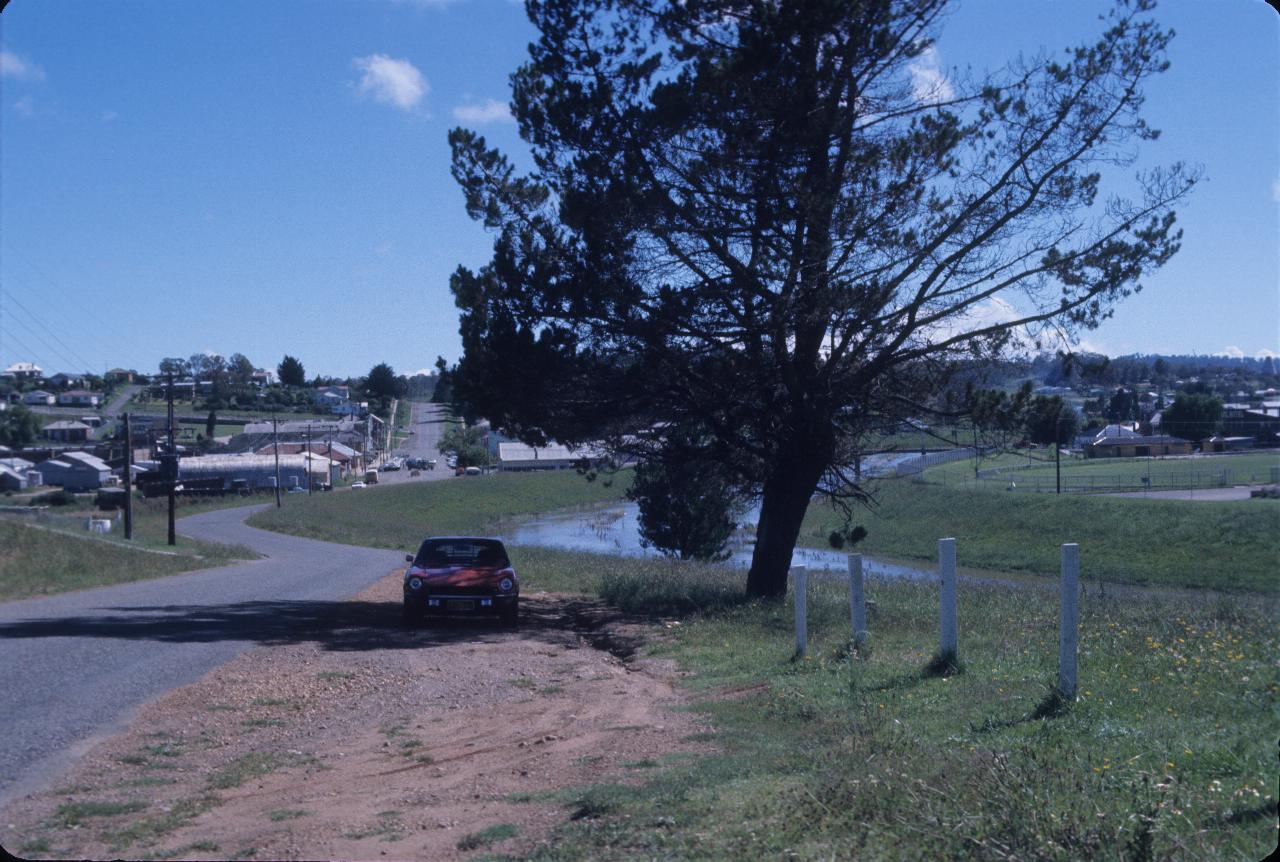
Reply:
x=60, y=497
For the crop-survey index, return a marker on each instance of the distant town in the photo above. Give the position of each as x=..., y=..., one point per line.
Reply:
x=238, y=427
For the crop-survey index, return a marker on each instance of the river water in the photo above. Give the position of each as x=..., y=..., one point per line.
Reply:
x=616, y=530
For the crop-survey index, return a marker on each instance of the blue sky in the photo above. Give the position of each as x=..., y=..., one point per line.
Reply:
x=272, y=178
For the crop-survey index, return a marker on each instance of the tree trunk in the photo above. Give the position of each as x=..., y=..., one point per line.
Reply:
x=786, y=498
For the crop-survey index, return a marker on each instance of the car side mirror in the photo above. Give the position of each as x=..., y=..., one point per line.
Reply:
x=408, y=558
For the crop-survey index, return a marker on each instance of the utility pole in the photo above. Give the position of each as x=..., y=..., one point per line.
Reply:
x=173, y=479
x=275, y=439
x=128, y=479
x=308, y=459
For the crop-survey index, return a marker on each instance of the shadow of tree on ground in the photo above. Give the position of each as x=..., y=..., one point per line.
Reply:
x=344, y=626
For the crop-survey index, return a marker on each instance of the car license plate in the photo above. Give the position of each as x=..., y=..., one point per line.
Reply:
x=460, y=605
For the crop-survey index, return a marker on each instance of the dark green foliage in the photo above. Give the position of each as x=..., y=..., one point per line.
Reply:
x=846, y=534
x=1123, y=405
x=687, y=509
x=382, y=383
x=240, y=369
x=1050, y=420
x=1192, y=417
x=19, y=427
x=291, y=372
x=467, y=443
x=174, y=365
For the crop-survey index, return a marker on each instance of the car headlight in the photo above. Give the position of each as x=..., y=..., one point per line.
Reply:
x=506, y=584
x=415, y=583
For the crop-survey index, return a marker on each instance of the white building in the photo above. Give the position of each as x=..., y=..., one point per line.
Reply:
x=39, y=398
x=23, y=371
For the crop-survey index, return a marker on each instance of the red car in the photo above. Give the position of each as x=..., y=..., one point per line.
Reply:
x=461, y=576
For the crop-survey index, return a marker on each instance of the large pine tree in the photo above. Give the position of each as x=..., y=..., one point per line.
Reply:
x=770, y=221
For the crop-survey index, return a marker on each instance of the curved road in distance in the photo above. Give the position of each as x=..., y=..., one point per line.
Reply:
x=74, y=667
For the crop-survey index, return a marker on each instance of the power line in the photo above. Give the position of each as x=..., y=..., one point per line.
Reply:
x=70, y=362
x=85, y=309
x=39, y=296
x=29, y=352
x=54, y=335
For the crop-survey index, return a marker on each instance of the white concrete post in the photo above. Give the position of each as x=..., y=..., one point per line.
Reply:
x=947, y=644
x=857, y=596
x=1069, y=623
x=802, y=610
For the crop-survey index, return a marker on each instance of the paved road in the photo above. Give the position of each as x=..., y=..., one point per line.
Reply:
x=426, y=427
x=74, y=667
x=122, y=395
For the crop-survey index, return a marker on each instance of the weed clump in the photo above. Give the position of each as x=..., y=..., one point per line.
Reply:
x=943, y=664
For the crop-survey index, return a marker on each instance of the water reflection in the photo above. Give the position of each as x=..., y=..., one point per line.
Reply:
x=616, y=530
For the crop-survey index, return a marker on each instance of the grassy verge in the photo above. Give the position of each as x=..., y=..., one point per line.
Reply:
x=861, y=753
x=399, y=516
x=57, y=555
x=404, y=418
x=1225, y=546
x=1036, y=470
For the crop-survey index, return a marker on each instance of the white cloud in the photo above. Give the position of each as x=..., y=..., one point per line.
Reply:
x=426, y=372
x=1231, y=351
x=1088, y=345
x=25, y=106
x=390, y=81
x=492, y=111
x=929, y=83
x=13, y=66
x=1264, y=353
x=1275, y=191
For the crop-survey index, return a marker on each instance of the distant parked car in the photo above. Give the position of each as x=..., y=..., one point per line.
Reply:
x=473, y=471
x=358, y=485
x=297, y=489
x=461, y=576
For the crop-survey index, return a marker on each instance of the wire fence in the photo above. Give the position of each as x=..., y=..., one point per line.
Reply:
x=1120, y=483
x=1096, y=476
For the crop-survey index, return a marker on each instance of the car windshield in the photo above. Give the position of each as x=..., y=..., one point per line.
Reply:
x=442, y=553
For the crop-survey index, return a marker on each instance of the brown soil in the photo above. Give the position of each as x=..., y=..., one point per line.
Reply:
x=398, y=751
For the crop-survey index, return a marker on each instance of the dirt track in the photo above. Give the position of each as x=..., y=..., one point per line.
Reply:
x=397, y=751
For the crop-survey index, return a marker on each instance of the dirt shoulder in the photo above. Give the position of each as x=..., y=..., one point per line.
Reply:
x=427, y=744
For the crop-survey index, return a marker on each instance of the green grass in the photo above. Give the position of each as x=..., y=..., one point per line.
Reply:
x=250, y=766
x=75, y=813
x=1036, y=470
x=1166, y=754
x=488, y=835
x=400, y=516
x=404, y=417
x=39, y=562
x=936, y=437
x=151, y=829
x=1225, y=546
